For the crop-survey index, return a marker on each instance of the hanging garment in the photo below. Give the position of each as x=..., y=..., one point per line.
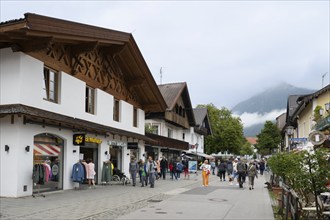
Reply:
x=77, y=173
x=39, y=174
x=106, y=172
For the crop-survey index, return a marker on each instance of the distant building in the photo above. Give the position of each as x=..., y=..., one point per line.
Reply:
x=307, y=114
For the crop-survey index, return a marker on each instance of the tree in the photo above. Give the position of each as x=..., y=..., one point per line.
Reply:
x=227, y=131
x=246, y=149
x=268, y=139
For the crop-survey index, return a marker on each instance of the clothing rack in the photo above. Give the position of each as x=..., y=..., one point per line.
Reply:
x=38, y=194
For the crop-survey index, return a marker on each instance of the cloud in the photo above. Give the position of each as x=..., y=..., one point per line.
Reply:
x=250, y=119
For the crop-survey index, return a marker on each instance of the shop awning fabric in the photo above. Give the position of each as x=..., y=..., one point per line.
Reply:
x=46, y=150
x=199, y=154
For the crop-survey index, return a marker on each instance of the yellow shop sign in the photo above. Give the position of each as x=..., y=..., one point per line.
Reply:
x=93, y=140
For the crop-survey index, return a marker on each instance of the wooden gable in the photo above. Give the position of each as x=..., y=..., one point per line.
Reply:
x=105, y=59
x=179, y=111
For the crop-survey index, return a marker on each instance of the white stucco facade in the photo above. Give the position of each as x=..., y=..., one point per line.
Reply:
x=21, y=82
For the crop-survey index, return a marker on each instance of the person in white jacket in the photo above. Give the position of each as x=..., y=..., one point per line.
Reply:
x=206, y=170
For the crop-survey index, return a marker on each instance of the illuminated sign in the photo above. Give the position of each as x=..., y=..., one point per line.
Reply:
x=81, y=139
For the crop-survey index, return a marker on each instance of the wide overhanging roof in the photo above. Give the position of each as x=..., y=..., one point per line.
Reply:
x=36, y=32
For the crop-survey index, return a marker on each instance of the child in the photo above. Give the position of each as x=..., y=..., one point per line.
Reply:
x=143, y=173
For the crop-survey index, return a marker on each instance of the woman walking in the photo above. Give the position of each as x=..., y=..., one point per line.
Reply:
x=90, y=173
x=206, y=170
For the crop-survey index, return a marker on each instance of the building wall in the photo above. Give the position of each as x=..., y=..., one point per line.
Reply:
x=16, y=165
x=305, y=121
x=22, y=82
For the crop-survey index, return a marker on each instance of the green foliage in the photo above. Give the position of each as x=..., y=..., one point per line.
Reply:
x=268, y=139
x=227, y=131
x=246, y=149
x=317, y=115
x=306, y=173
x=149, y=129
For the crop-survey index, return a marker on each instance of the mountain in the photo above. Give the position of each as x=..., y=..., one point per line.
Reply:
x=269, y=100
x=264, y=106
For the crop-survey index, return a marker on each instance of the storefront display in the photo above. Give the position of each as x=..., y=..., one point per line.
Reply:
x=48, y=152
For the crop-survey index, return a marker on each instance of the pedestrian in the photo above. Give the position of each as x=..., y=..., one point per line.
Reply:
x=90, y=173
x=235, y=173
x=133, y=169
x=213, y=166
x=173, y=170
x=163, y=167
x=143, y=173
x=140, y=163
x=252, y=173
x=158, y=174
x=179, y=169
x=230, y=170
x=185, y=163
x=241, y=170
x=262, y=166
x=206, y=170
x=222, y=170
x=151, y=169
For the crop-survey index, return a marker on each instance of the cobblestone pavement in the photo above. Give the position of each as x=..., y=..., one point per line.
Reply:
x=104, y=202
x=168, y=200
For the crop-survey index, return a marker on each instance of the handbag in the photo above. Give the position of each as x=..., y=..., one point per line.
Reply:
x=208, y=172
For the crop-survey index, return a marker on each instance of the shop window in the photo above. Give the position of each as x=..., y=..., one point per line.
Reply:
x=135, y=117
x=50, y=85
x=90, y=100
x=116, y=110
x=48, y=153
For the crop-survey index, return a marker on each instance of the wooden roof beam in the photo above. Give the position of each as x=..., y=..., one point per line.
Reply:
x=84, y=47
x=135, y=82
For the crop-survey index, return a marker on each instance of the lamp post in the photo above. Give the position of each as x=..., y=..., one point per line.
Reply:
x=289, y=131
x=196, y=146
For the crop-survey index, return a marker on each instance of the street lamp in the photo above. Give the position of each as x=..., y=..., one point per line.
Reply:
x=289, y=131
x=196, y=146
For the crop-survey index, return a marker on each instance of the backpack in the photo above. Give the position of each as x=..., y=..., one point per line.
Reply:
x=179, y=167
x=241, y=167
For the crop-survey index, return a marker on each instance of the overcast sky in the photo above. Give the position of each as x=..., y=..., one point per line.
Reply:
x=226, y=51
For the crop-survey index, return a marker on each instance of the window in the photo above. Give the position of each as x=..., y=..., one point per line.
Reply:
x=155, y=129
x=90, y=97
x=135, y=119
x=50, y=85
x=183, y=136
x=116, y=110
x=169, y=133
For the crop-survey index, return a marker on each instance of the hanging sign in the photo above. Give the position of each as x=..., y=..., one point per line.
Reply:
x=132, y=145
x=317, y=137
x=79, y=139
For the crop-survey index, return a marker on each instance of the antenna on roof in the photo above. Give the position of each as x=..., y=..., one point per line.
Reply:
x=161, y=74
x=323, y=78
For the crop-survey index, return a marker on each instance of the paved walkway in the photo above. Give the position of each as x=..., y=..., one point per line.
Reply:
x=184, y=199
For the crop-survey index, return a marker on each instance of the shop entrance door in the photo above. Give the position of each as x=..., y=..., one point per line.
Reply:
x=90, y=151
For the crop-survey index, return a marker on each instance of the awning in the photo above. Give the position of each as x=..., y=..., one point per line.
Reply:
x=200, y=154
x=46, y=150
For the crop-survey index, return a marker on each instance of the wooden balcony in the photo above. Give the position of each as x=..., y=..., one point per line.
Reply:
x=177, y=119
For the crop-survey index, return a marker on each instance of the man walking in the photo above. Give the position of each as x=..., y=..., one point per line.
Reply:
x=241, y=170
x=150, y=167
x=163, y=167
x=133, y=169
